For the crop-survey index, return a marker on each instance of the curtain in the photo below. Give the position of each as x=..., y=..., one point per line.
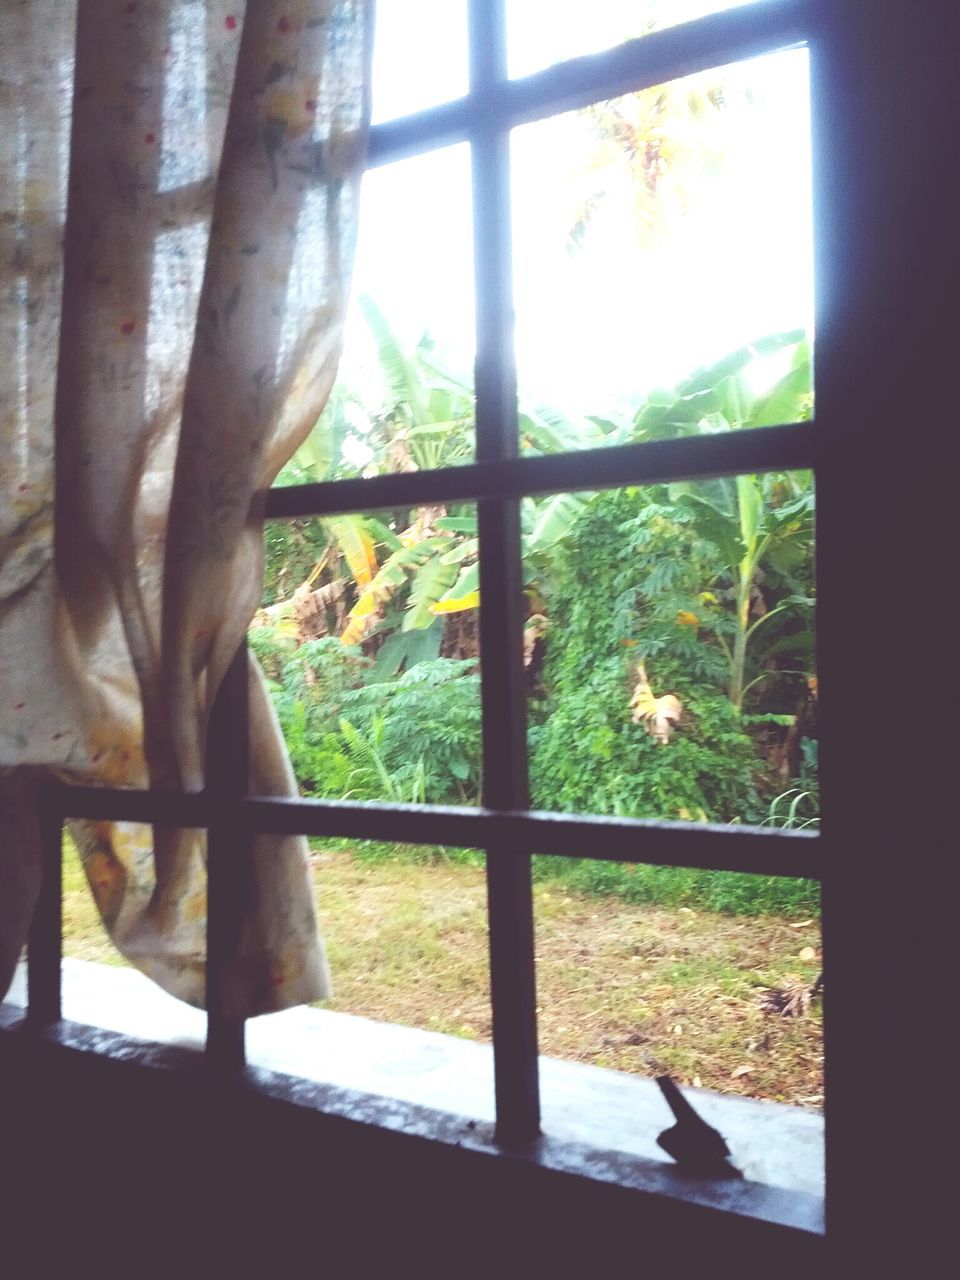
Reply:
x=170, y=335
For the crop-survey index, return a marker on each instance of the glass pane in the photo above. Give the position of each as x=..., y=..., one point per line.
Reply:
x=419, y=56
x=541, y=33
x=673, y=666
x=406, y=934
x=369, y=637
x=708, y=977
x=84, y=935
x=662, y=242
x=403, y=400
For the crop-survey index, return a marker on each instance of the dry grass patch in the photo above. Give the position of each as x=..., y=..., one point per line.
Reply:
x=638, y=988
x=632, y=987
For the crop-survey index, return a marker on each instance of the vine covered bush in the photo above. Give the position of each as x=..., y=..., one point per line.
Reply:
x=587, y=754
x=412, y=739
x=628, y=593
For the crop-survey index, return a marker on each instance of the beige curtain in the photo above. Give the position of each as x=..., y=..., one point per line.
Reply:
x=186, y=318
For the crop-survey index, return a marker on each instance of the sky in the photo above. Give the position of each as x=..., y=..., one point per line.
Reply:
x=599, y=324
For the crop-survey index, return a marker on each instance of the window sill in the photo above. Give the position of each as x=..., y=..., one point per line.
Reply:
x=598, y=1124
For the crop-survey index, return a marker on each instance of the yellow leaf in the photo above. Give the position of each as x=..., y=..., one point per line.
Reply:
x=366, y=605
x=357, y=547
x=363, y=559
x=358, y=619
x=470, y=601
x=687, y=619
x=659, y=714
x=353, y=631
x=534, y=629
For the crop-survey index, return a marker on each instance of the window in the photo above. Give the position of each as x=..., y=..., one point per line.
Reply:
x=499, y=479
x=489, y=130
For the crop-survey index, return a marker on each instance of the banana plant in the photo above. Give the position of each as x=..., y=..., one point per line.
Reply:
x=751, y=519
x=439, y=565
x=720, y=397
x=437, y=559
x=426, y=420
x=430, y=565
x=442, y=569
x=319, y=458
x=762, y=529
x=431, y=569
x=424, y=425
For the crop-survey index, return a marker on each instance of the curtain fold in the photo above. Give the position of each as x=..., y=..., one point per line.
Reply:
x=214, y=169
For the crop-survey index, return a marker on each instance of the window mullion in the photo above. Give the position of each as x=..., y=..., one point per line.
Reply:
x=45, y=940
x=752, y=850
x=505, y=784
x=228, y=856
x=790, y=447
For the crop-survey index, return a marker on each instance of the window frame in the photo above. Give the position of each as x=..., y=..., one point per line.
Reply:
x=852, y=64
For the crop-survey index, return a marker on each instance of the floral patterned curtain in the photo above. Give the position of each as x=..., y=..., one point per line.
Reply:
x=170, y=335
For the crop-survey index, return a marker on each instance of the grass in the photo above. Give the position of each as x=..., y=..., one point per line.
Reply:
x=732, y=892
x=84, y=937
x=627, y=985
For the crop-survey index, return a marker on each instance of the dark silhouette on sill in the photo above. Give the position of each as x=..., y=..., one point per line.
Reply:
x=697, y=1148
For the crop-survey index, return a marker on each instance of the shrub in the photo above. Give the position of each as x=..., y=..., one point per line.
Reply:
x=427, y=725
x=586, y=753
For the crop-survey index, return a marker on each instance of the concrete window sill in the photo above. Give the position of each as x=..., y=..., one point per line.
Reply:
x=596, y=1123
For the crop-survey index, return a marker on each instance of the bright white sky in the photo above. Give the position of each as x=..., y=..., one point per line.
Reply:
x=597, y=326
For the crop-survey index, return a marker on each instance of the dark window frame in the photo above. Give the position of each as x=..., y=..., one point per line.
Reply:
x=864, y=144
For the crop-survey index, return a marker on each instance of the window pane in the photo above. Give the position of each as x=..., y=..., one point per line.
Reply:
x=708, y=977
x=665, y=233
x=419, y=56
x=541, y=33
x=406, y=934
x=84, y=934
x=109, y=880
x=403, y=400
x=369, y=637
x=673, y=666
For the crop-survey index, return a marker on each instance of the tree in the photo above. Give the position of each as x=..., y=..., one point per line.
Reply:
x=757, y=525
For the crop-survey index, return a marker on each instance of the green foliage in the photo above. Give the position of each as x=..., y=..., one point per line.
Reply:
x=642, y=564
x=589, y=757
x=292, y=548
x=732, y=892
x=410, y=739
x=370, y=777
x=793, y=810
x=614, y=602
x=709, y=585
x=307, y=686
x=427, y=725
